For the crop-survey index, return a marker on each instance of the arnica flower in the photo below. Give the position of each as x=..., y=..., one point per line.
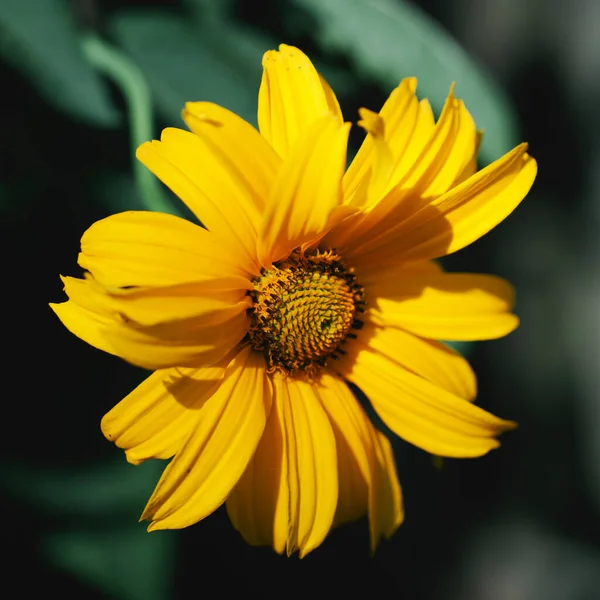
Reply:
x=302, y=278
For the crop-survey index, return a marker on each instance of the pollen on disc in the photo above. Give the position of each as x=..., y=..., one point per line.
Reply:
x=304, y=308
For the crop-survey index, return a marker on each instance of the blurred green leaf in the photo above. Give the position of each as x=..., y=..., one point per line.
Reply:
x=244, y=47
x=112, y=489
x=39, y=37
x=234, y=42
x=182, y=65
x=210, y=10
x=392, y=39
x=463, y=348
x=126, y=75
x=117, y=192
x=97, y=536
x=123, y=560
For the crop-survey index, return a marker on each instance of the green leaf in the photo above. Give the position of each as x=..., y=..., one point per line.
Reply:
x=122, y=560
x=112, y=489
x=181, y=65
x=236, y=44
x=117, y=192
x=39, y=38
x=209, y=9
x=463, y=348
x=95, y=533
x=126, y=75
x=392, y=39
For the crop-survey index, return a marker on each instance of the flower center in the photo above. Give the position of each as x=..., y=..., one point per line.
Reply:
x=304, y=309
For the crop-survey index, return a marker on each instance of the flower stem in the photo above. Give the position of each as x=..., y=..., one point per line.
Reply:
x=129, y=79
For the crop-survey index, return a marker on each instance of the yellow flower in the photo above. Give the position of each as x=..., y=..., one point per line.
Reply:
x=302, y=279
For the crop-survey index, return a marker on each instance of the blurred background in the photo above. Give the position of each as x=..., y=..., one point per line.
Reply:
x=83, y=82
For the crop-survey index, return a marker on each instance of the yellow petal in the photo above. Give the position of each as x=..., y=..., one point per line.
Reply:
x=421, y=160
x=375, y=274
x=487, y=198
x=288, y=496
x=429, y=359
x=202, y=170
x=353, y=494
x=453, y=220
x=408, y=127
x=292, y=97
x=443, y=306
x=449, y=150
x=421, y=412
x=471, y=167
x=399, y=115
x=259, y=506
x=366, y=468
x=382, y=160
x=306, y=192
x=156, y=418
x=204, y=302
x=389, y=512
x=155, y=347
x=433, y=161
x=332, y=102
x=253, y=159
x=312, y=466
x=408, y=146
x=229, y=427
x=148, y=248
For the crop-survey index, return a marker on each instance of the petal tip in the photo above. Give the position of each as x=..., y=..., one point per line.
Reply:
x=510, y=426
x=304, y=552
x=54, y=306
x=411, y=83
x=371, y=122
x=197, y=113
x=105, y=429
x=143, y=149
x=132, y=460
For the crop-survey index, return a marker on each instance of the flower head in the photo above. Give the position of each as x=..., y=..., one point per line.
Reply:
x=303, y=277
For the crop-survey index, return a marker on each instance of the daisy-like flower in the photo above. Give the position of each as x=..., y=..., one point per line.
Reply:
x=303, y=277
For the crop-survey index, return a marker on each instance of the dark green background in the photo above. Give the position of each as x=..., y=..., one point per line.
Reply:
x=521, y=523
